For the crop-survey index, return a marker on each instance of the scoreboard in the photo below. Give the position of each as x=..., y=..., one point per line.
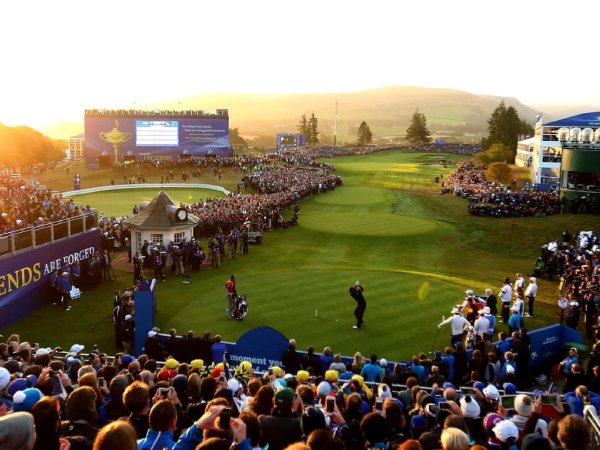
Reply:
x=116, y=136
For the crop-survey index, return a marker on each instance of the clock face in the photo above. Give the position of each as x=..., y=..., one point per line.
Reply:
x=182, y=214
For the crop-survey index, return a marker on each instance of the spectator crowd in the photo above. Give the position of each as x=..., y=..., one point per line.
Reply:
x=575, y=260
x=491, y=198
x=460, y=149
x=24, y=205
x=50, y=399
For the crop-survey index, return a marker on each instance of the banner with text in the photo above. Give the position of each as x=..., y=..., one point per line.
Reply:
x=24, y=277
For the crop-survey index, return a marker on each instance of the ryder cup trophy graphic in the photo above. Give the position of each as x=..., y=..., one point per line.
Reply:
x=115, y=137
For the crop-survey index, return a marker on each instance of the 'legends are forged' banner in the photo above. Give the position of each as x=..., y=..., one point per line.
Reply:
x=24, y=277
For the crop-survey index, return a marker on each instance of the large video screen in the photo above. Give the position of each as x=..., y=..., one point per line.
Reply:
x=156, y=133
x=288, y=140
x=119, y=138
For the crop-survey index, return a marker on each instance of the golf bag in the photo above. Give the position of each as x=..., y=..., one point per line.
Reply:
x=241, y=308
x=471, y=338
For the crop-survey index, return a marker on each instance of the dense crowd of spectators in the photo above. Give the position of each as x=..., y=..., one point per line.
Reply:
x=183, y=394
x=301, y=182
x=491, y=198
x=461, y=149
x=23, y=205
x=575, y=260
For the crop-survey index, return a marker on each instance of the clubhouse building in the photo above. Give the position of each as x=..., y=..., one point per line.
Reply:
x=565, y=153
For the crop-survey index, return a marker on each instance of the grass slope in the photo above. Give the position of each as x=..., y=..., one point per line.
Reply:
x=119, y=202
x=414, y=250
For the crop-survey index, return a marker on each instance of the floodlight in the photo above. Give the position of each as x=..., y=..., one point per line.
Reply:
x=575, y=135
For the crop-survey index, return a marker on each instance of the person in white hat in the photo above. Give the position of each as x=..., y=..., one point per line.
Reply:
x=573, y=314
x=481, y=325
x=515, y=323
x=489, y=334
x=458, y=324
x=506, y=297
x=531, y=294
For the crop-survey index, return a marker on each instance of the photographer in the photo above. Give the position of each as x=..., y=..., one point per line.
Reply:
x=216, y=421
x=163, y=421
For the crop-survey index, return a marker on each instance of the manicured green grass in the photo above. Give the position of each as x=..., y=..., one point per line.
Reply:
x=414, y=250
x=120, y=202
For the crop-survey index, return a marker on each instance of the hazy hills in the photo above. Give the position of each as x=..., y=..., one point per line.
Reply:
x=387, y=110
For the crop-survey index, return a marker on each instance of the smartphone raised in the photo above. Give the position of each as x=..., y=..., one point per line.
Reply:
x=548, y=399
x=164, y=392
x=508, y=401
x=379, y=404
x=330, y=404
x=224, y=419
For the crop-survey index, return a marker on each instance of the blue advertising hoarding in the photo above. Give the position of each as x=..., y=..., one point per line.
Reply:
x=264, y=346
x=24, y=277
x=117, y=138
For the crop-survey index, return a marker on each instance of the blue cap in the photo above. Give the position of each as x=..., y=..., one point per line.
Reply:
x=447, y=384
x=509, y=388
x=418, y=422
x=479, y=385
x=126, y=359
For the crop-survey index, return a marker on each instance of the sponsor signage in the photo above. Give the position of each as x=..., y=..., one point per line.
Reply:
x=24, y=277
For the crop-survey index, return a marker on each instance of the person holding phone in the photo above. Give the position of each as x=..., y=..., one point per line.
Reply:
x=281, y=428
x=212, y=422
x=163, y=421
x=524, y=405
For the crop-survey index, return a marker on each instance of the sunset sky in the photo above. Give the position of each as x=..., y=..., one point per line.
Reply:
x=61, y=57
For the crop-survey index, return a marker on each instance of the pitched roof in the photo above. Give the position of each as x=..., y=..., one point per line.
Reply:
x=159, y=213
x=589, y=119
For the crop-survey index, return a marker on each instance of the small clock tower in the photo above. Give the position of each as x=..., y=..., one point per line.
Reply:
x=160, y=221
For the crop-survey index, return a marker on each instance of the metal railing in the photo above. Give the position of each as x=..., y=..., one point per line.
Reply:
x=31, y=237
x=590, y=415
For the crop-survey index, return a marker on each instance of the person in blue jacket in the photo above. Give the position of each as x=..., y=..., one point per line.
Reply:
x=580, y=397
x=572, y=358
x=64, y=286
x=163, y=421
x=211, y=421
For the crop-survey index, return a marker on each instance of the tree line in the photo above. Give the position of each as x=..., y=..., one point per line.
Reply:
x=23, y=147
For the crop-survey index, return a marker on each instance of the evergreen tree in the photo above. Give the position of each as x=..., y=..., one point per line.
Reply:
x=417, y=132
x=312, y=137
x=364, y=135
x=505, y=126
x=303, y=126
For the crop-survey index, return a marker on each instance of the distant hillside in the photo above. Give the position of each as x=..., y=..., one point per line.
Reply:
x=554, y=112
x=387, y=111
